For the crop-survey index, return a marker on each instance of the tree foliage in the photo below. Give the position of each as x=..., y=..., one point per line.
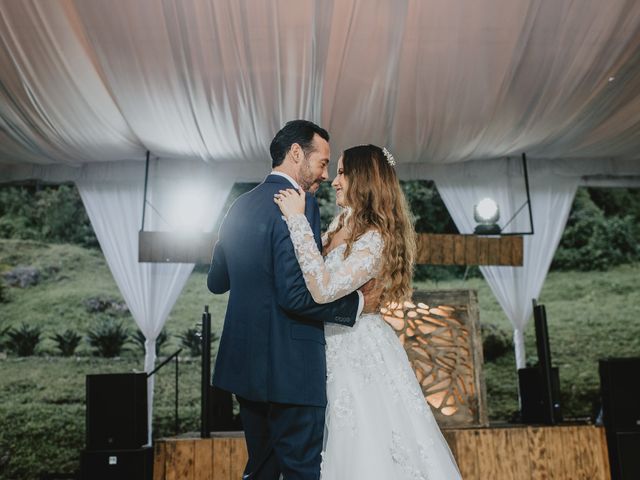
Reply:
x=50, y=214
x=594, y=241
x=427, y=207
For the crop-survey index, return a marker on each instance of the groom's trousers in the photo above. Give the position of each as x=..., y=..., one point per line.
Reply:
x=282, y=439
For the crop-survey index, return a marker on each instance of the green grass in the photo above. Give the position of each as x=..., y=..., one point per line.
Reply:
x=42, y=409
x=591, y=315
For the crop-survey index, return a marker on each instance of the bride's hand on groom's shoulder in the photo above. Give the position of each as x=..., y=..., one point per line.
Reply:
x=290, y=201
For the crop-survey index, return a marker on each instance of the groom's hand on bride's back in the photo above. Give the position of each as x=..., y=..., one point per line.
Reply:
x=372, y=292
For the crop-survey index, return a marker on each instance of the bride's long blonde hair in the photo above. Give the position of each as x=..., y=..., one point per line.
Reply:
x=376, y=201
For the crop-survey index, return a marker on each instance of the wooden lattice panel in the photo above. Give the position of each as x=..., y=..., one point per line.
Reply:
x=441, y=335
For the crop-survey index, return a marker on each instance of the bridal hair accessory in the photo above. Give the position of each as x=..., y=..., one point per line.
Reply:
x=390, y=160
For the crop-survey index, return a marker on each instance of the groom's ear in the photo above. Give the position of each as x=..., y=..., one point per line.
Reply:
x=296, y=152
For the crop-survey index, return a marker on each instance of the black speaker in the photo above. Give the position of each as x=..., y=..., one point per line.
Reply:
x=620, y=391
x=627, y=448
x=116, y=411
x=117, y=464
x=533, y=397
x=221, y=417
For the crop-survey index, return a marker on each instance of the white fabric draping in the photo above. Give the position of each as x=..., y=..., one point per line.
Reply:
x=54, y=104
x=551, y=198
x=115, y=209
x=438, y=81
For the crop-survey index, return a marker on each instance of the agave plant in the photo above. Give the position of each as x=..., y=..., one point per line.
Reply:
x=67, y=342
x=108, y=338
x=191, y=339
x=24, y=340
x=3, y=340
x=4, y=291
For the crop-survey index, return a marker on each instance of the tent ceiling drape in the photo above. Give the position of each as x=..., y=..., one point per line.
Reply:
x=438, y=81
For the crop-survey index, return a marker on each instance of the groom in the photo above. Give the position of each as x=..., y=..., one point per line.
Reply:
x=271, y=354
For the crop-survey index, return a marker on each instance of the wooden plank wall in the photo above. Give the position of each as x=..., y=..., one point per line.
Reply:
x=439, y=249
x=514, y=453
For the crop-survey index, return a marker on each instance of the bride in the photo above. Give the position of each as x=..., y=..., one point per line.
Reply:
x=378, y=424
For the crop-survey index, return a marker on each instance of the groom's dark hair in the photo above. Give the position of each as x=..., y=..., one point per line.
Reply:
x=295, y=131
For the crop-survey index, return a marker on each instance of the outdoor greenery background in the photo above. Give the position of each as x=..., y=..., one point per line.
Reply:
x=591, y=296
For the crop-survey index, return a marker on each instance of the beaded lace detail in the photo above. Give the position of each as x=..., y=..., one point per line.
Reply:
x=326, y=285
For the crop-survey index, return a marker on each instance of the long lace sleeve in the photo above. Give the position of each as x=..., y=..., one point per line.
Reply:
x=362, y=264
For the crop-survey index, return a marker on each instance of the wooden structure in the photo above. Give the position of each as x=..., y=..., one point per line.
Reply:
x=440, y=249
x=440, y=331
x=573, y=452
x=222, y=457
x=433, y=249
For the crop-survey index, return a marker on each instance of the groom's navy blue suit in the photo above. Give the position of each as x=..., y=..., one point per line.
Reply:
x=271, y=352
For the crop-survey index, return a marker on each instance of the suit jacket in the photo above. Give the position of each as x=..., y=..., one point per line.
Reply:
x=272, y=344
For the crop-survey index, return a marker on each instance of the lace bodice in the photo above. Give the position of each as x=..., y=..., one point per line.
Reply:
x=338, y=277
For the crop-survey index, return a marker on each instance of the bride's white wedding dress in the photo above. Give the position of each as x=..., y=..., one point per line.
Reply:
x=378, y=424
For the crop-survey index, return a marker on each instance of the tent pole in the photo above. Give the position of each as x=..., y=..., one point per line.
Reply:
x=144, y=199
x=526, y=184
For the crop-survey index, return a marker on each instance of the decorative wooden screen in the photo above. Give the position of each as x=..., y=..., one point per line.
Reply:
x=440, y=332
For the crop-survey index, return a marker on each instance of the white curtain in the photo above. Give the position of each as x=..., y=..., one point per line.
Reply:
x=114, y=206
x=437, y=81
x=502, y=180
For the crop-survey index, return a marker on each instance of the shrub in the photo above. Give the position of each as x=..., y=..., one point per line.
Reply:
x=3, y=340
x=495, y=342
x=427, y=208
x=592, y=241
x=161, y=340
x=67, y=342
x=24, y=340
x=4, y=291
x=191, y=339
x=108, y=338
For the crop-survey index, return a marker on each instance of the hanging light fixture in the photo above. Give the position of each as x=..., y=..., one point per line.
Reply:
x=486, y=213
